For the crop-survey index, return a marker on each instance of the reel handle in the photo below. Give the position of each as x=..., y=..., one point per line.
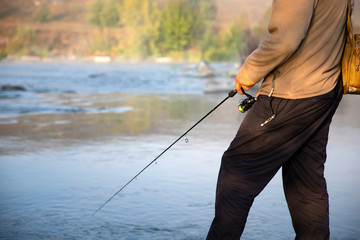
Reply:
x=234, y=92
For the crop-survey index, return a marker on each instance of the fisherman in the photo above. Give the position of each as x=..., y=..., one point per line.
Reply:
x=288, y=125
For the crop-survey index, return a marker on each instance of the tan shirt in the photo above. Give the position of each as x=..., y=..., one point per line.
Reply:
x=303, y=49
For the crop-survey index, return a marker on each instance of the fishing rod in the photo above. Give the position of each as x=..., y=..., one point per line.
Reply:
x=243, y=107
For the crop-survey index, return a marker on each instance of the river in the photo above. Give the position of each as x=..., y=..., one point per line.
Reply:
x=81, y=130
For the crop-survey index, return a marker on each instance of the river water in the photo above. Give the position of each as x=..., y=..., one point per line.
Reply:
x=81, y=130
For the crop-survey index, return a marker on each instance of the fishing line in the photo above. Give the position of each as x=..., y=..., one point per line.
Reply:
x=230, y=94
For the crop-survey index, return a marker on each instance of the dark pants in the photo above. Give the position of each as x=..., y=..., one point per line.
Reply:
x=295, y=140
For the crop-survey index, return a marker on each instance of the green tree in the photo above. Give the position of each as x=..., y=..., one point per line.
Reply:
x=23, y=39
x=235, y=37
x=105, y=13
x=100, y=42
x=179, y=26
x=141, y=21
x=43, y=13
x=208, y=42
x=96, y=9
x=218, y=46
x=3, y=54
x=110, y=14
x=207, y=9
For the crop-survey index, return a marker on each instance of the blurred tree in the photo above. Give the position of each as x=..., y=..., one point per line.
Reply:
x=110, y=14
x=23, y=39
x=105, y=13
x=3, y=54
x=235, y=36
x=100, y=42
x=96, y=9
x=219, y=45
x=208, y=42
x=208, y=9
x=216, y=50
x=43, y=12
x=141, y=20
x=179, y=26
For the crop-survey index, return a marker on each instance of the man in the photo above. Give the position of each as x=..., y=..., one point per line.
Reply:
x=288, y=125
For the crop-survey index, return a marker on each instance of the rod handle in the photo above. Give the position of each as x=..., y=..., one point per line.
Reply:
x=232, y=93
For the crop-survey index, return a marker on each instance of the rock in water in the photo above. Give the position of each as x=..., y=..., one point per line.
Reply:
x=204, y=70
x=12, y=88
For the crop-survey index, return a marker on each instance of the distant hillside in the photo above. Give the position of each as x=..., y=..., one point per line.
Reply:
x=67, y=28
x=61, y=10
x=75, y=10
x=22, y=11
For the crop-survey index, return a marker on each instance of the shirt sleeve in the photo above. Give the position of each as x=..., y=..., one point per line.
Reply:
x=289, y=23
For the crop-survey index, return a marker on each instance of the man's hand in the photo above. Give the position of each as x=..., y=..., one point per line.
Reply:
x=243, y=81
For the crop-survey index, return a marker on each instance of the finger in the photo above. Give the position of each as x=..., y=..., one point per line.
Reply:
x=246, y=88
x=238, y=88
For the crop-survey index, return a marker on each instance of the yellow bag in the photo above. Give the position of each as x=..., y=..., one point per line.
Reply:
x=351, y=59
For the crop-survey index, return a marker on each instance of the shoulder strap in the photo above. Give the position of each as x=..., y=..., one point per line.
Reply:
x=349, y=30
